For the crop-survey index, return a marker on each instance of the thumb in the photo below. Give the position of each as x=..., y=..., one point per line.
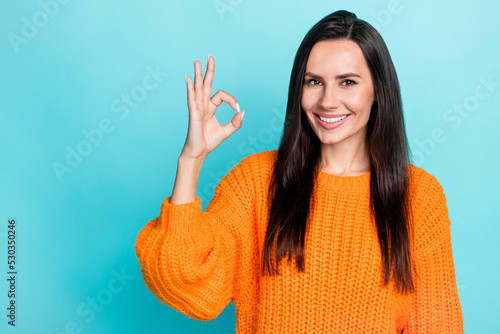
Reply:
x=234, y=124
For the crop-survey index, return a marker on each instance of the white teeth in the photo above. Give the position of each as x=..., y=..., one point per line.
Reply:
x=332, y=120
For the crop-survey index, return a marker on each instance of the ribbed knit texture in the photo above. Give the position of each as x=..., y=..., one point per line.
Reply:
x=198, y=262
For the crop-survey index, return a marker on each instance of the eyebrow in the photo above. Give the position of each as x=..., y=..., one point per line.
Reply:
x=338, y=77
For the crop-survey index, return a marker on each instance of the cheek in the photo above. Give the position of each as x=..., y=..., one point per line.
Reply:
x=359, y=102
x=305, y=101
x=308, y=100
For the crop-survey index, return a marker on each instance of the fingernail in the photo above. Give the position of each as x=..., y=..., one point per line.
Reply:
x=242, y=114
x=195, y=61
x=186, y=77
x=208, y=58
x=237, y=107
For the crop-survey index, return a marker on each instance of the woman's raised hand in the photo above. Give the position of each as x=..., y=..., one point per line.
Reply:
x=205, y=132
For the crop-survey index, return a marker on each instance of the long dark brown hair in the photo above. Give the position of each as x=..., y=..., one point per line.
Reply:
x=299, y=155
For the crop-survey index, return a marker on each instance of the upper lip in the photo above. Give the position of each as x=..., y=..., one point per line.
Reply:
x=330, y=115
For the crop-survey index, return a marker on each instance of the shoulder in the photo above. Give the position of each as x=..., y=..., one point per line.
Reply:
x=261, y=162
x=253, y=171
x=265, y=158
x=429, y=207
x=423, y=184
x=424, y=188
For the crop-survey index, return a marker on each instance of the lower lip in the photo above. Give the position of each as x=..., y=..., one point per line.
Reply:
x=330, y=126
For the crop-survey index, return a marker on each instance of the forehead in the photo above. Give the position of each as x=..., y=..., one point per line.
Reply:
x=336, y=56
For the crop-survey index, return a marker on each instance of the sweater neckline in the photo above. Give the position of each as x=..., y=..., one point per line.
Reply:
x=356, y=182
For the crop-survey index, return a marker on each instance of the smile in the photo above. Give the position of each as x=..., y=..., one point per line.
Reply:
x=332, y=120
x=330, y=123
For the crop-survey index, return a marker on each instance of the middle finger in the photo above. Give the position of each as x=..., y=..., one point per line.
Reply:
x=209, y=77
x=198, y=83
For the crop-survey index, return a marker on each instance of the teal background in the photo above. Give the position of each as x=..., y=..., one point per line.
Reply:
x=76, y=231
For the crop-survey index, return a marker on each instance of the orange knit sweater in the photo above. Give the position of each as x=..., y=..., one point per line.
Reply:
x=198, y=262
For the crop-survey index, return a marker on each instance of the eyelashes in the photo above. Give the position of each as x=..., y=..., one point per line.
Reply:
x=347, y=82
x=352, y=82
x=308, y=82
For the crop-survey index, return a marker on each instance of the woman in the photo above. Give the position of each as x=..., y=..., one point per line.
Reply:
x=366, y=233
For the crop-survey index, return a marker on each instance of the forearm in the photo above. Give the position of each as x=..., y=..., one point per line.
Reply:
x=186, y=180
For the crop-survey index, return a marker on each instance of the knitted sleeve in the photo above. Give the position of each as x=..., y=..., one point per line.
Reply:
x=192, y=260
x=435, y=306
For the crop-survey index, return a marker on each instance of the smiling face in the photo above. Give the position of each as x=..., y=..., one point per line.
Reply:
x=338, y=92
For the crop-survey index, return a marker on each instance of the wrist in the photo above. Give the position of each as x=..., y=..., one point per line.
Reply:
x=184, y=158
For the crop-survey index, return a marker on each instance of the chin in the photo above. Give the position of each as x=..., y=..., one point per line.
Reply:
x=331, y=141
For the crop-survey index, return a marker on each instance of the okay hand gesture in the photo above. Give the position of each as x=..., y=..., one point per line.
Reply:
x=205, y=132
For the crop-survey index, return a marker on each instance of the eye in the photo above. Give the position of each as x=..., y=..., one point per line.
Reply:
x=348, y=82
x=309, y=82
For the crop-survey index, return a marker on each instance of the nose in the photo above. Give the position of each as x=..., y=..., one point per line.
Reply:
x=330, y=99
